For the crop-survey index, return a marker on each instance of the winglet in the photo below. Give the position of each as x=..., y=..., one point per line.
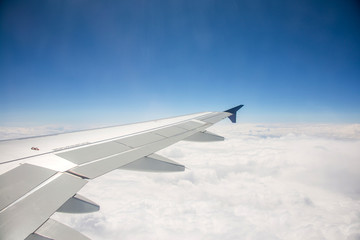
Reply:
x=233, y=112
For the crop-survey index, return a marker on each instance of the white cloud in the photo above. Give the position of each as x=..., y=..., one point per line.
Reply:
x=21, y=132
x=263, y=182
x=266, y=181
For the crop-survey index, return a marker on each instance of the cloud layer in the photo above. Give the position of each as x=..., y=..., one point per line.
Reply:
x=263, y=182
x=21, y=132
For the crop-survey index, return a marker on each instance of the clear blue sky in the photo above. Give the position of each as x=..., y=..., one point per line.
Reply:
x=117, y=61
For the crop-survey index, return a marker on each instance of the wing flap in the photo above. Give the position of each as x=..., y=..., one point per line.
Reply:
x=52, y=229
x=35, y=236
x=20, y=180
x=91, y=153
x=37, y=207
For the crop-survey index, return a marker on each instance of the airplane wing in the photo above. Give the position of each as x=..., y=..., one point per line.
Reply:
x=42, y=175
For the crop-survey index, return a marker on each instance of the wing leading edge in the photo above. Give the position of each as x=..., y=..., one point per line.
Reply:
x=42, y=182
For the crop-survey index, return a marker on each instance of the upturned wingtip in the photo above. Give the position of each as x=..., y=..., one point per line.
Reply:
x=233, y=111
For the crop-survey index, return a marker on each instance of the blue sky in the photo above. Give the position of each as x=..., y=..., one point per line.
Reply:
x=120, y=61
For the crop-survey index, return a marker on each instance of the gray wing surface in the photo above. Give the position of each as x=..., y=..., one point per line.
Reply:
x=46, y=172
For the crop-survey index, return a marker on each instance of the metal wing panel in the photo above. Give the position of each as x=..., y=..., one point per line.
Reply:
x=20, y=180
x=140, y=139
x=102, y=166
x=214, y=118
x=35, y=236
x=16, y=149
x=54, y=230
x=91, y=153
x=24, y=217
x=190, y=125
x=170, y=131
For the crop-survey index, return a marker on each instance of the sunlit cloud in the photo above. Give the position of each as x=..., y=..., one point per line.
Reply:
x=21, y=132
x=262, y=182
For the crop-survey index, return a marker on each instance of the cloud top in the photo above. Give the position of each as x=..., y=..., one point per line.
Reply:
x=262, y=182
x=265, y=181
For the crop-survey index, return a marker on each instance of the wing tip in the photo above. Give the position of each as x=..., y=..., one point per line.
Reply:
x=233, y=111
